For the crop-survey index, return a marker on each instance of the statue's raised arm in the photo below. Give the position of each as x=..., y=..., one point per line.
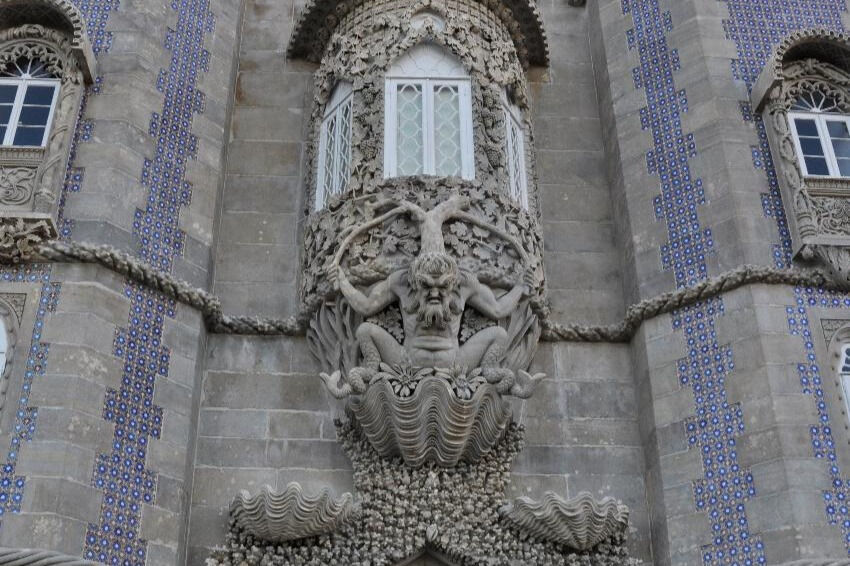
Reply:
x=380, y=296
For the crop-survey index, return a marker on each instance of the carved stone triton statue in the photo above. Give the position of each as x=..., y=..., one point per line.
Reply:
x=432, y=293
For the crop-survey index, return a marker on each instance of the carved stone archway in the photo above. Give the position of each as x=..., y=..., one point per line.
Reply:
x=427, y=558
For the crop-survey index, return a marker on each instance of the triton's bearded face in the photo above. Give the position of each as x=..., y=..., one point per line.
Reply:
x=433, y=276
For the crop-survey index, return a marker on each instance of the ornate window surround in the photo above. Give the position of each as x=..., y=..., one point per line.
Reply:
x=817, y=207
x=31, y=178
x=515, y=153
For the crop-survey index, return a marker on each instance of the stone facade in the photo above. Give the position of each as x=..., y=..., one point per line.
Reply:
x=134, y=409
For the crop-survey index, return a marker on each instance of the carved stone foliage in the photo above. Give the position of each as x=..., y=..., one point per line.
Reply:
x=319, y=20
x=291, y=514
x=818, y=209
x=405, y=511
x=581, y=522
x=361, y=56
x=386, y=246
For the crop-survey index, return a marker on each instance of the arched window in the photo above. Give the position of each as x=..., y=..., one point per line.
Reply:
x=28, y=93
x=428, y=117
x=821, y=135
x=334, y=164
x=515, y=152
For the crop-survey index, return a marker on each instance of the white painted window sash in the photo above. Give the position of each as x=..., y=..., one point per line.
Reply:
x=428, y=88
x=22, y=86
x=825, y=140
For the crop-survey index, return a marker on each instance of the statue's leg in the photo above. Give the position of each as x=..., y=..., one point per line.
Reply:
x=485, y=349
x=377, y=345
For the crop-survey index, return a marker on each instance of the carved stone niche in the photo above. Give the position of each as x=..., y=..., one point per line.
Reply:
x=31, y=177
x=813, y=63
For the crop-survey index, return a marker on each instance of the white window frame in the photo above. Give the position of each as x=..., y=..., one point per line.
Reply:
x=22, y=85
x=428, y=86
x=341, y=98
x=517, y=176
x=820, y=120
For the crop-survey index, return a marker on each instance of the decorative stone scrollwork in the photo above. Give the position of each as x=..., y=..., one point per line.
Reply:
x=16, y=185
x=581, y=522
x=291, y=514
x=61, y=15
x=818, y=208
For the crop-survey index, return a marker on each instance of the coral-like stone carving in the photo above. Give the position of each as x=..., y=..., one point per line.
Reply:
x=581, y=522
x=433, y=423
x=291, y=514
x=19, y=238
x=404, y=511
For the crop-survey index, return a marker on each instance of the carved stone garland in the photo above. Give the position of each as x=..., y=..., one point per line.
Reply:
x=31, y=177
x=818, y=209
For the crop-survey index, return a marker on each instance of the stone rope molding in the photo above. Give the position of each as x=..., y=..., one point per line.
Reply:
x=217, y=322
x=36, y=557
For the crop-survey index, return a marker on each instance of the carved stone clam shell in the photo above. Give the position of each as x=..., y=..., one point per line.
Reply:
x=290, y=515
x=580, y=523
x=433, y=424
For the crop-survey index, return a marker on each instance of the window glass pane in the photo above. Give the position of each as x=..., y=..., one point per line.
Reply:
x=409, y=143
x=806, y=127
x=2, y=134
x=816, y=166
x=446, y=130
x=343, y=147
x=25, y=135
x=811, y=146
x=330, y=131
x=844, y=167
x=8, y=92
x=42, y=95
x=837, y=129
x=841, y=147
x=34, y=115
x=5, y=113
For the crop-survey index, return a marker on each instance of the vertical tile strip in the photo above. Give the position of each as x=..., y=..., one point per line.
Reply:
x=122, y=473
x=725, y=488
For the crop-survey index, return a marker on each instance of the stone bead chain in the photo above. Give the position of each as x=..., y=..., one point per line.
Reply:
x=210, y=306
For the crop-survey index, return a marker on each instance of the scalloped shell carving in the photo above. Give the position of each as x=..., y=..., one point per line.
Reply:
x=290, y=515
x=581, y=522
x=433, y=424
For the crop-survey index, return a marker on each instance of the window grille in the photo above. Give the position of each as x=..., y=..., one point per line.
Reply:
x=334, y=167
x=428, y=118
x=27, y=100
